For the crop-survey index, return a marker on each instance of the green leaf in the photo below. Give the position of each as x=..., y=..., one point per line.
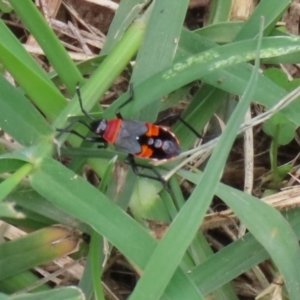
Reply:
x=19, y=118
x=279, y=127
x=219, y=11
x=106, y=74
x=66, y=293
x=33, y=249
x=246, y=252
x=11, y=182
x=127, y=12
x=272, y=231
x=145, y=202
x=159, y=46
x=31, y=202
x=283, y=170
x=221, y=33
x=4, y=297
x=30, y=76
x=49, y=42
x=8, y=210
x=62, y=187
x=278, y=76
x=22, y=281
x=5, y=8
x=250, y=29
x=172, y=247
x=9, y=165
x=207, y=63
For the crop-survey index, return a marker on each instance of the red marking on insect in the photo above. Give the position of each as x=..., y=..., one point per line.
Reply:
x=138, y=138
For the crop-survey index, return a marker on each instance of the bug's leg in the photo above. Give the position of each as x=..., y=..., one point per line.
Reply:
x=185, y=123
x=197, y=134
x=134, y=165
x=131, y=96
x=68, y=128
x=96, y=139
x=80, y=102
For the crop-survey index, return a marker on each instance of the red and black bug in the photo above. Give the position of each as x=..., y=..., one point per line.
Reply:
x=138, y=139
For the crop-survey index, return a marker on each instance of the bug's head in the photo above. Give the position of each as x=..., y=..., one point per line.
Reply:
x=99, y=126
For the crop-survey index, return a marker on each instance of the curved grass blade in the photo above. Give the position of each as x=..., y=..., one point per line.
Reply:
x=33, y=249
x=172, y=247
x=10, y=165
x=272, y=231
x=49, y=42
x=106, y=74
x=19, y=118
x=66, y=293
x=159, y=46
x=10, y=42
x=125, y=15
x=41, y=91
x=199, y=65
x=12, y=182
x=220, y=10
x=250, y=29
x=72, y=194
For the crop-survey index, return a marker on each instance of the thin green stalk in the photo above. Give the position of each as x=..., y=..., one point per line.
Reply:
x=274, y=155
x=96, y=266
x=11, y=182
x=49, y=42
x=106, y=74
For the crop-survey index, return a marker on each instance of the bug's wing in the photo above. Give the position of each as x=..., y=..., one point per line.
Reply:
x=129, y=145
x=128, y=138
x=133, y=128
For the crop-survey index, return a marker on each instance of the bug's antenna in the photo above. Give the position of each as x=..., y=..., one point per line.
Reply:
x=80, y=103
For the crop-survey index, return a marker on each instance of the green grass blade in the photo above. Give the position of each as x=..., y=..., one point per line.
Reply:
x=19, y=118
x=11, y=182
x=21, y=281
x=172, y=247
x=250, y=29
x=96, y=249
x=107, y=72
x=62, y=187
x=66, y=293
x=127, y=12
x=10, y=165
x=49, y=42
x=220, y=11
x=9, y=41
x=31, y=202
x=202, y=107
x=39, y=89
x=7, y=210
x=273, y=232
x=221, y=33
x=33, y=249
x=242, y=254
x=235, y=79
x=202, y=64
x=159, y=46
